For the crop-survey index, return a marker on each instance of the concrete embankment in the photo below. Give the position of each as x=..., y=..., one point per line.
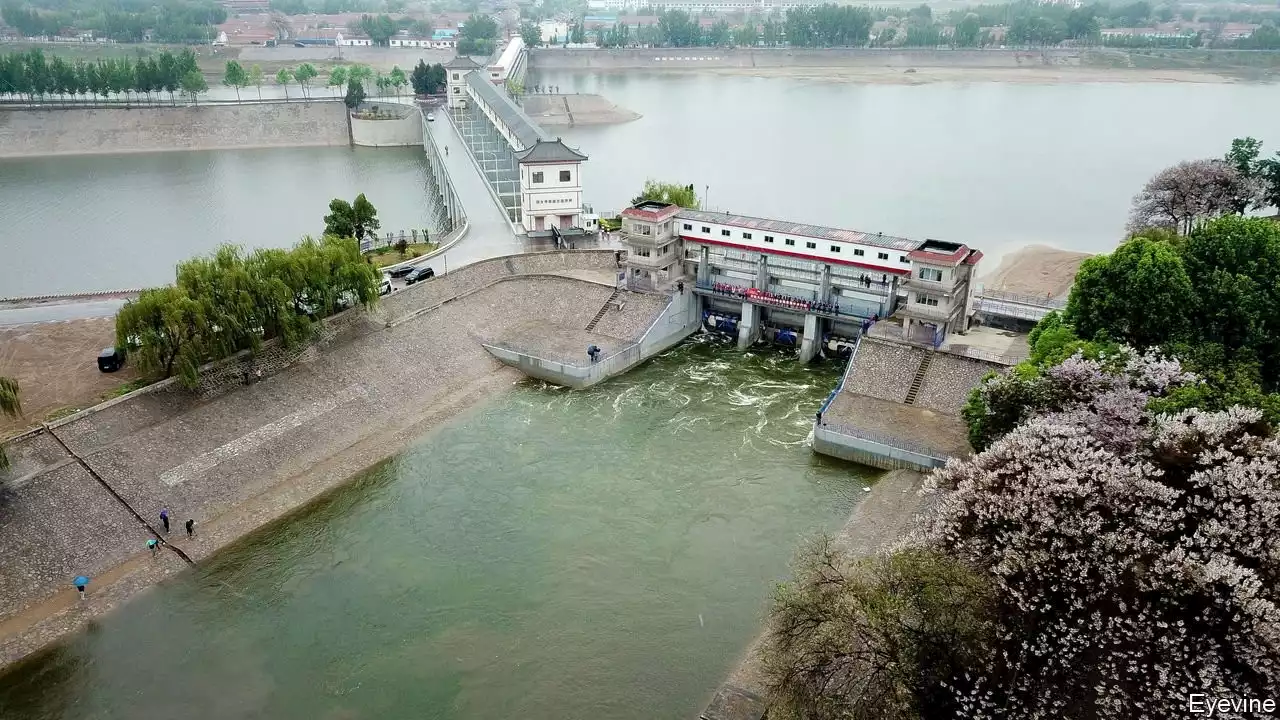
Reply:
x=86, y=131
x=235, y=457
x=699, y=58
x=386, y=125
x=575, y=110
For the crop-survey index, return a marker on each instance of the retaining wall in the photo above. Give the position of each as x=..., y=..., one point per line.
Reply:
x=870, y=452
x=84, y=131
x=402, y=131
x=692, y=58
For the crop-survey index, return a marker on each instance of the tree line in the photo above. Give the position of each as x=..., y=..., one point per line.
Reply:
x=33, y=76
x=232, y=300
x=1025, y=23
x=169, y=21
x=1109, y=552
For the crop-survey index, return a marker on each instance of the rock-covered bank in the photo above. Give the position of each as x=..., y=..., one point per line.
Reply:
x=88, y=131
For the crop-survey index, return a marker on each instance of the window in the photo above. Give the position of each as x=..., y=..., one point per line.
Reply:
x=687, y=226
x=811, y=245
x=746, y=236
x=565, y=176
x=931, y=274
x=768, y=238
x=859, y=252
x=456, y=90
x=835, y=248
x=706, y=229
x=724, y=233
x=537, y=177
x=790, y=241
x=883, y=256
x=455, y=76
x=903, y=259
x=926, y=300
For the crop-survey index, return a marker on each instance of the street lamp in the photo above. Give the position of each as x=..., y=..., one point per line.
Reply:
x=706, y=194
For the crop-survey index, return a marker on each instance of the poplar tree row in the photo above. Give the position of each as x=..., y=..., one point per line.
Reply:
x=33, y=76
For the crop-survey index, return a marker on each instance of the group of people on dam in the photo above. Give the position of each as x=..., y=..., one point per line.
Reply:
x=772, y=298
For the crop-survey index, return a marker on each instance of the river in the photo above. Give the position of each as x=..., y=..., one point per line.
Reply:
x=995, y=165
x=555, y=555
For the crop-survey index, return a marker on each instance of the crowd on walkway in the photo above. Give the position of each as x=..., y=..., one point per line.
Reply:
x=772, y=298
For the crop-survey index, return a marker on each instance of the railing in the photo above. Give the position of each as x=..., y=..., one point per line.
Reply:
x=1007, y=358
x=844, y=376
x=931, y=312
x=946, y=287
x=938, y=456
x=1034, y=300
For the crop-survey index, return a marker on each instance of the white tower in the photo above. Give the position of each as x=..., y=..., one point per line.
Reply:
x=456, y=80
x=550, y=186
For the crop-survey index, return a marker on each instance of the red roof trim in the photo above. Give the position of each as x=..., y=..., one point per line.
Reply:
x=954, y=258
x=771, y=251
x=973, y=258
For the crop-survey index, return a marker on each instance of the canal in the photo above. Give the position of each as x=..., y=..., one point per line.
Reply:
x=554, y=555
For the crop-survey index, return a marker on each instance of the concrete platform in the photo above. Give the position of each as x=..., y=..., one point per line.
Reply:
x=889, y=435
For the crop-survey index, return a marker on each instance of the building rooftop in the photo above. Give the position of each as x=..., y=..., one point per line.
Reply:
x=942, y=252
x=550, y=151
x=462, y=62
x=652, y=210
x=783, y=227
x=528, y=132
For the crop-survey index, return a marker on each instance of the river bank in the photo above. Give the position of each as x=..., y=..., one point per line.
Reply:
x=85, y=494
x=102, y=131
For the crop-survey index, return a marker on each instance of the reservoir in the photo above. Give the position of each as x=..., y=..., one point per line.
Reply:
x=994, y=165
x=552, y=556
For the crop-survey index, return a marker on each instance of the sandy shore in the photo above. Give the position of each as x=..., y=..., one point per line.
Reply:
x=576, y=110
x=1037, y=270
x=925, y=75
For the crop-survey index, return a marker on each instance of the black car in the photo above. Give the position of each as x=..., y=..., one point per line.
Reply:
x=111, y=359
x=399, y=272
x=419, y=273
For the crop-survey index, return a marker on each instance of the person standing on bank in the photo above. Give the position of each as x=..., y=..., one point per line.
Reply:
x=191, y=528
x=164, y=518
x=80, y=582
x=153, y=546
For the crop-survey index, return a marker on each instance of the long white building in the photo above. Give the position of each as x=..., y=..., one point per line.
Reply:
x=807, y=280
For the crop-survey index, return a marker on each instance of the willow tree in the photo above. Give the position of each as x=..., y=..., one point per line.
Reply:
x=9, y=405
x=682, y=195
x=168, y=331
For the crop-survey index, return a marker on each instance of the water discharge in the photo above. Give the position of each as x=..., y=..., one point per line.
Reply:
x=555, y=554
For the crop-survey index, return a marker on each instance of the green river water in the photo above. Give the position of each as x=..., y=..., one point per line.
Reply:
x=605, y=554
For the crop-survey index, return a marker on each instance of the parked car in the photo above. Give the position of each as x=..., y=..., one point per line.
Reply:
x=111, y=359
x=419, y=273
x=385, y=288
x=401, y=271
x=431, y=117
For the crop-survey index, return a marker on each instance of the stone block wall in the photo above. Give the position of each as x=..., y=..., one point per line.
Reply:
x=883, y=370
x=87, y=131
x=948, y=381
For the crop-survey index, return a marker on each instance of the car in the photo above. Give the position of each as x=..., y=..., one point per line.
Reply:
x=419, y=273
x=111, y=359
x=431, y=117
x=401, y=271
x=385, y=287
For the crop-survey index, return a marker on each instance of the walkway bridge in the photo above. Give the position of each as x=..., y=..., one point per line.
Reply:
x=532, y=176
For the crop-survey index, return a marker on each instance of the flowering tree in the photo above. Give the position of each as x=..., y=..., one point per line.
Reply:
x=1136, y=556
x=1180, y=196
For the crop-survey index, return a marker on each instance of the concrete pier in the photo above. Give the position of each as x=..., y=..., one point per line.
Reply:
x=749, y=326
x=809, y=342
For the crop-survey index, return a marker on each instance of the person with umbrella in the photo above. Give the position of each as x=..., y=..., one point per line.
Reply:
x=593, y=352
x=80, y=582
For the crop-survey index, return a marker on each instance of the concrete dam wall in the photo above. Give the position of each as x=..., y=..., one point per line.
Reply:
x=87, y=131
x=693, y=58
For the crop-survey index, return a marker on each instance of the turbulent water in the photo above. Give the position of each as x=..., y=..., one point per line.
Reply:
x=596, y=554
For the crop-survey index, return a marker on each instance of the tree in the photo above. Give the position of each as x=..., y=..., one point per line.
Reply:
x=427, y=79
x=747, y=36
x=1133, y=553
x=682, y=195
x=878, y=637
x=530, y=34
x=255, y=78
x=397, y=79
x=357, y=220
x=10, y=405
x=1181, y=196
x=193, y=84
x=379, y=28
x=355, y=93
x=967, y=31
x=1139, y=294
x=719, y=34
x=478, y=35
x=677, y=29
x=235, y=77
x=169, y=330
x=338, y=77
x=305, y=73
x=283, y=78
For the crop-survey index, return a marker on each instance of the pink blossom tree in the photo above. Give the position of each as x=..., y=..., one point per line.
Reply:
x=1180, y=196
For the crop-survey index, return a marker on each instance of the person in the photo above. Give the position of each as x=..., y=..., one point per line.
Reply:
x=81, y=581
x=592, y=352
x=153, y=546
x=446, y=150
x=164, y=518
x=191, y=528
x=617, y=256
x=680, y=286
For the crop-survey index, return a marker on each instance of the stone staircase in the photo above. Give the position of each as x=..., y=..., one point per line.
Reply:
x=603, y=309
x=918, y=380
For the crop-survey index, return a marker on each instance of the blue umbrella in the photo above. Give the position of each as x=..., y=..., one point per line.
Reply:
x=81, y=581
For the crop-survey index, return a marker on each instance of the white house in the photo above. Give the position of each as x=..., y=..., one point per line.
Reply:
x=550, y=186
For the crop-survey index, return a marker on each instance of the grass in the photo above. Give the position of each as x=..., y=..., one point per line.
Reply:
x=385, y=256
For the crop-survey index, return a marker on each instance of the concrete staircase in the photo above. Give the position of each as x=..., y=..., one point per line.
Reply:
x=603, y=309
x=918, y=380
